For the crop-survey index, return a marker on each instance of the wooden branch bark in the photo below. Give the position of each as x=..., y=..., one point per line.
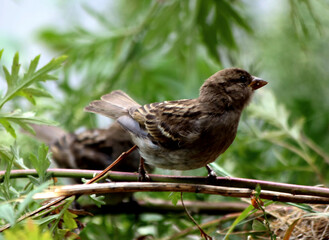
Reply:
x=220, y=181
x=234, y=187
x=116, y=187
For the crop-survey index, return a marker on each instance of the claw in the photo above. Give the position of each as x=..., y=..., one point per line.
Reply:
x=143, y=175
x=212, y=177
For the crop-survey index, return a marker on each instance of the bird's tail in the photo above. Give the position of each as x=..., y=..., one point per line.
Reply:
x=113, y=105
x=47, y=134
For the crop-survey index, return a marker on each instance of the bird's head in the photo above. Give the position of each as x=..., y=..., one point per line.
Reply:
x=233, y=86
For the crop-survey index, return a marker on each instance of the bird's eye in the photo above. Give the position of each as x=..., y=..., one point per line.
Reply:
x=240, y=79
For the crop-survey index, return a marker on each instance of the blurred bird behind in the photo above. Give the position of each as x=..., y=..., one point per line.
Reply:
x=93, y=149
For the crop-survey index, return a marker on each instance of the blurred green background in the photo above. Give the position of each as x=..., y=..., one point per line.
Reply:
x=164, y=50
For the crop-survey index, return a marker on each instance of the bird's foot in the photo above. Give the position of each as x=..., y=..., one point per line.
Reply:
x=142, y=173
x=212, y=177
x=143, y=177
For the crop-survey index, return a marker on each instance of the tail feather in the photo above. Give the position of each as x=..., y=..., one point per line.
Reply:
x=47, y=134
x=113, y=105
x=120, y=99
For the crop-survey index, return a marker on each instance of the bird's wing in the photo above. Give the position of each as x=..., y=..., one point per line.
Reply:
x=171, y=123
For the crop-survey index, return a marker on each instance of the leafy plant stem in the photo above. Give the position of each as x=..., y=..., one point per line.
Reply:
x=65, y=207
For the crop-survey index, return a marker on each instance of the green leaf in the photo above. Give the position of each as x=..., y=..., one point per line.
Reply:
x=41, y=162
x=258, y=226
x=44, y=161
x=22, y=119
x=17, y=84
x=18, y=161
x=26, y=117
x=26, y=127
x=30, y=231
x=29, y=198
x=7, y=213
x=28, y=188
x=241, y=217
x=64, y=209
x=32, y=67
x=69, y=220
x=7, y=76
x=12, y=154
x=219, y=170
x=27, y=95
x=46, y=220
x=34, y=180
x=98, y=200
x=34, y=161
x=37, y=92
x=258, y=190
x=14, y=72
x=233, y=14
x=60, y=233
x=5, y=153
x=43, y=72
x=8, y=127
x=175, y=197
x=6, y=185
x=1, y=52
x=302, y=206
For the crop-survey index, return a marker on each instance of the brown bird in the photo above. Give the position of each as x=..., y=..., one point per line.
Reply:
x=184, y=134
x=91, y=149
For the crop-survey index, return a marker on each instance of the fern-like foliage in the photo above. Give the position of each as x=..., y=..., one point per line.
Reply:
x=21, y=85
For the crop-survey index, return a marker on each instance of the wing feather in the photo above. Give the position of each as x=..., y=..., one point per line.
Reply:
x=171, y=124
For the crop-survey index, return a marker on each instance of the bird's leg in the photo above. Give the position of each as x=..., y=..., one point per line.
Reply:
x=211, y=178
x=142, y=173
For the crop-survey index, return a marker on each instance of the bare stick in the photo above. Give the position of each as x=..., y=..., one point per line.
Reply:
x=116, y=187
x=203, y=233
x=219, y=181
x=106, y=170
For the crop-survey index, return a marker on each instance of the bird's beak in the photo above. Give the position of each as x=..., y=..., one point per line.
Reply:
x=257, y=83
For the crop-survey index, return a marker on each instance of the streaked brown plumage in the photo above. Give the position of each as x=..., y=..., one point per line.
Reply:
x=93, y=149
x=184, y=134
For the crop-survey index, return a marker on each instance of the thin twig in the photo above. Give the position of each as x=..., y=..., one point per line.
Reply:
x=189, y=230
x=203, y=233
x=267, y=223
x=30, y=214
x=106, y=170
x=61, y=198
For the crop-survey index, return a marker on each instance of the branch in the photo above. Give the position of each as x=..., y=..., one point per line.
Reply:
x=220, y=181
x=119, y=187
x=237, y=187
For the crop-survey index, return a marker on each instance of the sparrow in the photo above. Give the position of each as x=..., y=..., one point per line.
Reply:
x=93, y=149
x=189, y=133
